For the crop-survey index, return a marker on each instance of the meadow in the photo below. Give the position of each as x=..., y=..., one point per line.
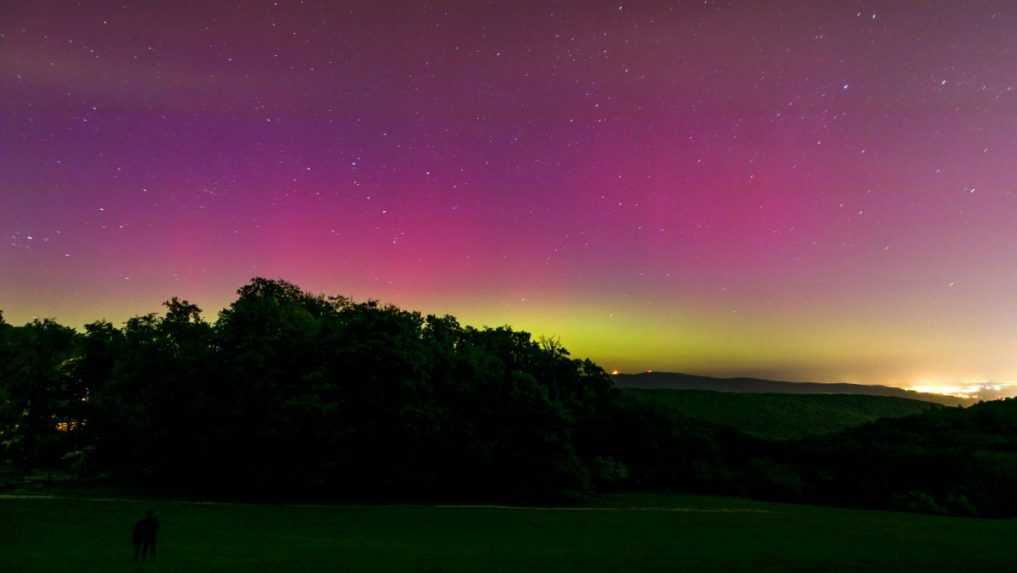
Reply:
x=782, y=416
x=618, y=533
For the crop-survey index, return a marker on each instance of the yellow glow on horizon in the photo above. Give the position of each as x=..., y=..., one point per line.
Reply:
x=964, y=390
x=945, y=389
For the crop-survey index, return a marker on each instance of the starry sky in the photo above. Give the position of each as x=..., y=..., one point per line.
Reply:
x=821, y=190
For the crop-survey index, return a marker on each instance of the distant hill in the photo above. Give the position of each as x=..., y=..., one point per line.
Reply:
x=947, y=460
x=678, y=381
x=782, y=416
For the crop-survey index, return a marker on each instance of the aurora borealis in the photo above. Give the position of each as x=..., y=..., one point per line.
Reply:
x=803, y=190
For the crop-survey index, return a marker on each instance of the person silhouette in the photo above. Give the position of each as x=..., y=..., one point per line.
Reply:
x=146, y=531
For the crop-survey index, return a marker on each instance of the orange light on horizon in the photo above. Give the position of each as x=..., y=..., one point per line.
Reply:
x=969, y=390
x=944, y=389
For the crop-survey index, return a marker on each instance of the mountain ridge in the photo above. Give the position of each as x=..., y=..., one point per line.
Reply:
x=749, y=385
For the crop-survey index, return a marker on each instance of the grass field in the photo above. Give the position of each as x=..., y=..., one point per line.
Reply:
x=668, y=534
x=782, y=416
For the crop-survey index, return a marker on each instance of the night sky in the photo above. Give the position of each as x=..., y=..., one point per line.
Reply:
x=822, y=190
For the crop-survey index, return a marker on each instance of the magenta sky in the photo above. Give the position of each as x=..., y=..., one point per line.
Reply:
x=810, y=190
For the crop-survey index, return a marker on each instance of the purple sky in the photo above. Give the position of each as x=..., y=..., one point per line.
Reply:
x=807, y=190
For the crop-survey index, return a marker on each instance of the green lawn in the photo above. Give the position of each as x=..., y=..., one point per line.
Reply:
x=782, y=416
x=81, y=535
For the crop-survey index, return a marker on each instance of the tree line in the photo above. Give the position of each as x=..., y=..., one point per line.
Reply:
x=291, y=394
x=288, y=391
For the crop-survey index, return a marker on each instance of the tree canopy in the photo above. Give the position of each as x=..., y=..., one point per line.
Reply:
x=289, y=391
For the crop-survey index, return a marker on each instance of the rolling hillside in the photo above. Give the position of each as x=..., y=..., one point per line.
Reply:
x=782, y=416
x=678, y=381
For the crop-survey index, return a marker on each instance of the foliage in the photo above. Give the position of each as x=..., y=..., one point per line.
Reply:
x=39, y=394
x=949, y=460
x=782, y=416
x=293, y=394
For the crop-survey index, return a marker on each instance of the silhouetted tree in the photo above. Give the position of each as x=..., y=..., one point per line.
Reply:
x=39, y=388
